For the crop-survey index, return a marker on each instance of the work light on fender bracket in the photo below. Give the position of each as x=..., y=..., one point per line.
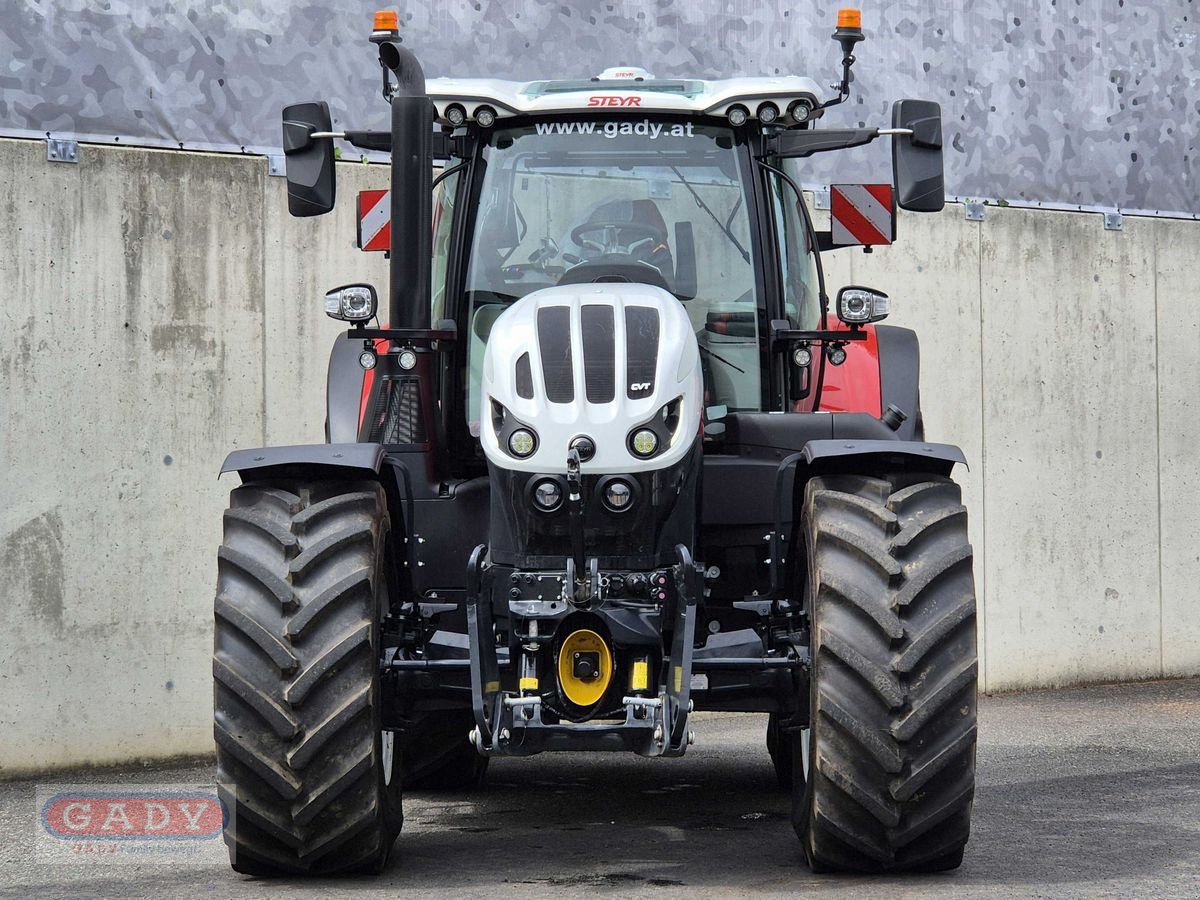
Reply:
x=351, y=303
x=860, y=306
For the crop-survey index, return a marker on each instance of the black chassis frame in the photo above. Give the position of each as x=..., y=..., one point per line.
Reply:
x=438, y=653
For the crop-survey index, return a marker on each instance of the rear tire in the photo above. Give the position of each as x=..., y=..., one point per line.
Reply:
x=891, y=746
x=312, y=783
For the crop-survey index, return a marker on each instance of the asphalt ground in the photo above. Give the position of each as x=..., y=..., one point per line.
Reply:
x=1089, y=792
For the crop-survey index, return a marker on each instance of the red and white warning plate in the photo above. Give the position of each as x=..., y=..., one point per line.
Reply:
x=375, y=220
x=862, y=214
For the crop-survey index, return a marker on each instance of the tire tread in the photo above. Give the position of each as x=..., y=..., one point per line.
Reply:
x=894, y=675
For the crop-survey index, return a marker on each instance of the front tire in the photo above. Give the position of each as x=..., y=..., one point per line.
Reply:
x=891, y=744
x=312, y=783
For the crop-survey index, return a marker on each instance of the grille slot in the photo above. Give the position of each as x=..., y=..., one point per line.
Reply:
x=599, y=353
x=554, y=343
x=641, y=350
x=524, y=379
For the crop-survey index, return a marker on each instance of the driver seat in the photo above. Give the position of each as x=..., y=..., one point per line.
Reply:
x=655, y=252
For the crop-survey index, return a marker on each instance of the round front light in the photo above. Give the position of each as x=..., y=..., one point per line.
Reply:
x=547, y=495
x=522, y=442
x=485, y=117
x=738, y=116
x=768, y=113
x=644, y=442
x=367, y=359
x=837, y=355
x=455, y=114
x=802, y=357
x=618, y=496
x=800, y=111
x=407, y=359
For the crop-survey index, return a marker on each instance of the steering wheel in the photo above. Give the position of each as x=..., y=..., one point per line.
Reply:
x=606, y=236
x=615, y=267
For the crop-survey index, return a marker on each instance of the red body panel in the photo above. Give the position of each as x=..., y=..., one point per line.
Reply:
x=381, y=349
x=854, y=385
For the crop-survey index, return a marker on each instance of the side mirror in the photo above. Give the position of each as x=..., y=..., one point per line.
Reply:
x=917, y=157
x=310, y=178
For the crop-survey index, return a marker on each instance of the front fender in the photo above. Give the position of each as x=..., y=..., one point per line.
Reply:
x=856, y=456
x=327, y=459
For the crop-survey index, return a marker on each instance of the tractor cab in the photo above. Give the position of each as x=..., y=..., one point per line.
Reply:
x=679, y=184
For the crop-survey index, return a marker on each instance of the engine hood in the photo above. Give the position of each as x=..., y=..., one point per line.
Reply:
x=594, y=360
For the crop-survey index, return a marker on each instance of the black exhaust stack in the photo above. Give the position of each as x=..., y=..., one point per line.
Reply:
x=412, y=187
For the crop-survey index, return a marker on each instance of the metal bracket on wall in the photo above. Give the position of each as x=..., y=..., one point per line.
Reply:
x=60, y=150
x=1114, y=221
x=974, y=211
x=276, y=165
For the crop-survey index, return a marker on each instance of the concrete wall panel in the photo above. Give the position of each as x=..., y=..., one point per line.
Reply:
x=131, y=347
x=1069, y=429
x=1177, y=245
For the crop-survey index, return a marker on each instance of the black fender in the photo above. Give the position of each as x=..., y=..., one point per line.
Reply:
x=324, y=460
x=352, y=462
x=343, y=389
x=823, y=456
x=900, y=376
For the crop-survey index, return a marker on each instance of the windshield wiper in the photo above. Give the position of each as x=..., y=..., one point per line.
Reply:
x=704, y=349
x=704, y=206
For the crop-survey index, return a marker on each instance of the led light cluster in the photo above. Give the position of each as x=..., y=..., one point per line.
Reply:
x=351, y=303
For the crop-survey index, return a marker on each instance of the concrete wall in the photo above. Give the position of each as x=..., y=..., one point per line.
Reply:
x=160, y=308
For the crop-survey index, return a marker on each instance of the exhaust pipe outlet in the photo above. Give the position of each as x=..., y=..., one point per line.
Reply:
x=412, y=186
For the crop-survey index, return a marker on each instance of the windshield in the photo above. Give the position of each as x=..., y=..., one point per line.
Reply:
x=657, y=201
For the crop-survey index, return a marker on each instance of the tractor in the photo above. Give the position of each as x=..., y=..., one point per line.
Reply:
x=609, y=455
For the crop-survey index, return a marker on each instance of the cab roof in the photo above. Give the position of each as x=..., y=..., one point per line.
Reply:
x=620, y=90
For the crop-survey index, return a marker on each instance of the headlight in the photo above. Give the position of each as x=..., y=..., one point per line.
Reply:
x=547, y=495
x=618, y=495
x=485, y=116
x=644, y=442
x=738, y=115
x=351, y=303
x=767, y=113
x=522, y=443
x=858, y=306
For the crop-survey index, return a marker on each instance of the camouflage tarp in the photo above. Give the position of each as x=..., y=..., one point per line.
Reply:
x=1091, y=102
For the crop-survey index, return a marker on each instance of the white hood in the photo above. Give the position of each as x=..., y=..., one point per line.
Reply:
x=595, y=360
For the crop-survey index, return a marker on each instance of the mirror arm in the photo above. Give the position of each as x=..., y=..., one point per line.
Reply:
x=800, y=144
